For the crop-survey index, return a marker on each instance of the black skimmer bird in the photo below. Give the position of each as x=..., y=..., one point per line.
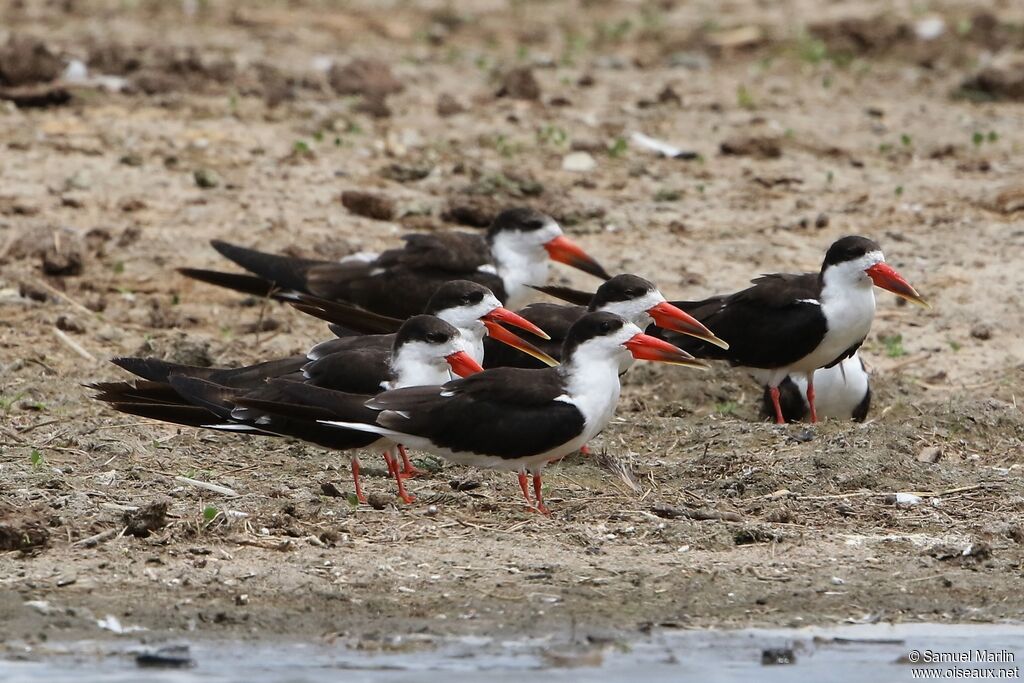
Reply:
x=399, y=282
x=509, y=418
x=424, y=350
x=470, y=307
x=841, y=392
x=629, y=296
x=798, y=323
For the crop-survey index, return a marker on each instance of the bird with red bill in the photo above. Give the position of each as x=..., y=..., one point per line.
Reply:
x=798, y=323
x=424, y=351
x=634, y=298
x=515, y=252
x=512, y=418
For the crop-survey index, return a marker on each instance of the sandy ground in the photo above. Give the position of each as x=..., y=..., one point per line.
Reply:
x=693, y=513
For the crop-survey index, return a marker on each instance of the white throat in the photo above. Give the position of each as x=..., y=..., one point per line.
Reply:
x=518, y=268
x=473, y=336
x=848, y=304
x=520, y=260
x=410, y=368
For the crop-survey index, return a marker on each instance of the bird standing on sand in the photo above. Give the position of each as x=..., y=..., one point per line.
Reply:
x=424, y=351
x=399, y=282
x=789, y=323
x=508, y=418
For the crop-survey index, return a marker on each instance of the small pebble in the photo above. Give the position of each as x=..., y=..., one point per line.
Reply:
x=448, y=105
x=777, y=656
x=981, y=331
x=368, y=204
x=578, y=162
x=68, y=323
x=205, y=178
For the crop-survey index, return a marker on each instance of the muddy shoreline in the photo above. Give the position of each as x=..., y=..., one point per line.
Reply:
x=692, y=513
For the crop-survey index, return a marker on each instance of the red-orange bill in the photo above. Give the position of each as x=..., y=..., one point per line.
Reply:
x=646, y=347
x=462, y=364
x=886, y=277
x=499, y=333
x=503, y=315
x=675, y=319
x=564, y=250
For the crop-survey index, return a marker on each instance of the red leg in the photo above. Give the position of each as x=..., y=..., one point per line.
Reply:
x=774, y=392
x=393, y=469
x=390, y=463
x=525, y=488
x=408, y=469
x=810, y=397
x=355, y=477
x=585, y=450
x=538, y=495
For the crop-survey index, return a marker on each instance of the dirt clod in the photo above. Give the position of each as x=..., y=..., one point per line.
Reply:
x=63, y=257
x=757, y=146
x=1003, y=79
x=368, y=77
x=329, y=489
x=982, y=331
x=519, y=84
x=147, y=519
x=69, y=323
x=26, y=60
x=447, y=105
x=379, y=501
x=368, y=204
x=22, y=530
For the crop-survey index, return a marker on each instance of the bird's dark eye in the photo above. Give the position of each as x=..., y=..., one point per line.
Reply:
x=436, y=337
x=606, y=327
x=473, y=298
x=535, y=224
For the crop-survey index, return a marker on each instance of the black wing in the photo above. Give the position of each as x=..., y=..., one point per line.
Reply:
x=507, y=412
x=454, y=252
x=772, y=324
x=402, y=292
x=377, y=342
x=263, y=411
x=286, y=272
x=349, y=317
x=156, y=370
x=359, y=370
x=568, y=294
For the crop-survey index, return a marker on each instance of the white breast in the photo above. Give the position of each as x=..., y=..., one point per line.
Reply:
x=848, y=312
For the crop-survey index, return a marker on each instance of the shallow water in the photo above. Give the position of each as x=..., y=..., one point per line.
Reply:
x=875, y=652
